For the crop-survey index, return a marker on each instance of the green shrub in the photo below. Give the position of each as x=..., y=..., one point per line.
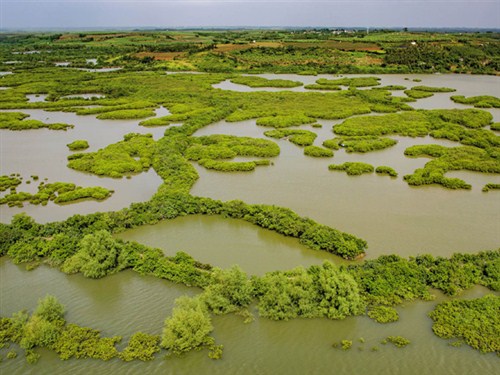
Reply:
x=142, y=347
x=126, y=114
x=9, y=182
x=433, y=89
x=475, y=321
x=489, y=187
x=482, y=101
x=285, y=121
x=78, y=145
x=263, y=82
x=398, y=341
x=132, y=155
x=360, y=144
x=298, y=137
x=188, y=328
x=383, y=314
x=352, y=168
x=386, y=170
x=318, y=152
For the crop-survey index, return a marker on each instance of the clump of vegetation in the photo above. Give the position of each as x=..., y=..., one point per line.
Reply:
x=449, y=159
x=230, y=291
x=78, y=145
x=398, y=341
x=9, y=182
x=319, y=291
x=475, y=321
x=440, y=123
x=188, y=328
x=228, y=166
x=383, y=314
x=19, y=121
x=346, y=344
x=209, y=150
x=350, y=82
x=132, y=155
x=352, y=168
x=126, y=114
x=418, y=94
x=141, y=346
x=47, y=328
x=318, y=152
x=489, y=187
x=285, y=121
x=433, y=89
x=360, y=144
x=298, y=137
x=384, y=170
x=58, y=192
x=495, y=126
x=263, y=82
x=482, y=101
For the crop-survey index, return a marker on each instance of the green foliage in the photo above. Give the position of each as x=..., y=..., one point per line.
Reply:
x=9, y=182
x=390, y=280
x=398, y=341
x=96, y=192
x=132, y=155
x=229, y=291
x=320, y=291
x=482, y=101
x=489, y=187
x=351, y=82
x=495, y=126
x=206, y=150
x=216, y=351
x=96, y=257
x=386, y=171
x=352, y=168
x=475, y=321
x=188, y=328
x=318, y=152
x=18, y=121
x=346, y=344
x=263, y=82
x=82, y=342
x=226, y=166
x=285, y=121
x=449, y=159
x=360, y=143
x=77, y=145
x=58, y=192
x=433, y=89
x=298, y=137
x=141, y=346
x=126, y=114
x=440, y=123
x=383, y=314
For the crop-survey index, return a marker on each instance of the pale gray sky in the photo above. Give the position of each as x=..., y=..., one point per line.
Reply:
x=21, y=14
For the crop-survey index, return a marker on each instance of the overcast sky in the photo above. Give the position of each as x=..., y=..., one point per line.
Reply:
x=20, y=14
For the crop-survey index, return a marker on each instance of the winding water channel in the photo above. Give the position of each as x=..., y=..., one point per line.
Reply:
x=390, y=215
